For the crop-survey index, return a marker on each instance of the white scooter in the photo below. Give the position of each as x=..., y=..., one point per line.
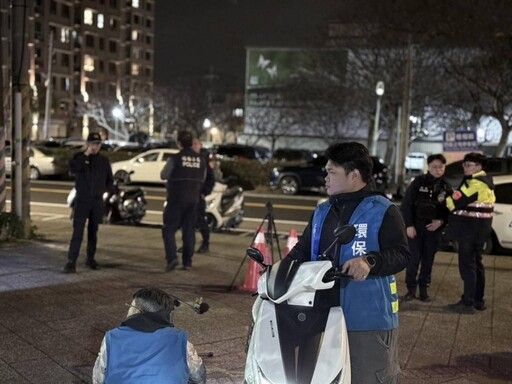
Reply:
x=299, y=336
x=224, y=207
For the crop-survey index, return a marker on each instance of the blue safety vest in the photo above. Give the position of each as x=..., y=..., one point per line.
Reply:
x=146, y=357
x=371, y=304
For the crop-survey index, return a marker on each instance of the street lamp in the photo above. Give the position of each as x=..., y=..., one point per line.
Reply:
x=379, y=91
x=118, y=115
x=207, y=123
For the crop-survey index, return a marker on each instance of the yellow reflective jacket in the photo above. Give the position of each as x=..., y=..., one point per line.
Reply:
x=474, y=197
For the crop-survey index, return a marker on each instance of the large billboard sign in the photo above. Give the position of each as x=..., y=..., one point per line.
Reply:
x=287, y=88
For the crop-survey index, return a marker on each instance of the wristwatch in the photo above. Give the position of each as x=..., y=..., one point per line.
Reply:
x=370, y=260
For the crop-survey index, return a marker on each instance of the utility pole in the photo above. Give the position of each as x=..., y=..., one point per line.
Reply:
x=49, y=84
x=21, y=113
x=2, y=129
x=404, y=120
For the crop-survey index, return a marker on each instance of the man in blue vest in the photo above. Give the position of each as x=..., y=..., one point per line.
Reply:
x=146, y=348
x=378, y=250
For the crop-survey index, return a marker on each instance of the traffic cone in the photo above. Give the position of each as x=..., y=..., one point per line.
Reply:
x=290, y=243
x=254, y=270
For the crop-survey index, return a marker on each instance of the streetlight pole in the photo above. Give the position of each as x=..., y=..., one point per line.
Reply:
x=379, y=91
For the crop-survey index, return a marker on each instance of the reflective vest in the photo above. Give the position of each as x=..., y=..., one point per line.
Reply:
x=146, y=357
x=482, y=207
x=371, y=304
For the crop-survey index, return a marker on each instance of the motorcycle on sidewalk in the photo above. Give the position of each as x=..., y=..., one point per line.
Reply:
x=121, y=205
x=298, y=335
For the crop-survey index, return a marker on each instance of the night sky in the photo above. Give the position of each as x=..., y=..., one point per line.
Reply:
x=194, y=35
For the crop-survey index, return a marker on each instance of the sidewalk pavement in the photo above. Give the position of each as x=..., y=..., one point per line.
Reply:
x=52, y=324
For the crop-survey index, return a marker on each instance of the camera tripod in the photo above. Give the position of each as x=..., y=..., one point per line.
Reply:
x=270, y=237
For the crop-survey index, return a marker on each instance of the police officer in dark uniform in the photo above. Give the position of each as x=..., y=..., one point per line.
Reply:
x=93, y=176
x=185, y=174
x=206, y=189
x=424, y=210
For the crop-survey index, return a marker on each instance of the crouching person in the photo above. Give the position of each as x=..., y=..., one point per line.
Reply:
x=146, y=348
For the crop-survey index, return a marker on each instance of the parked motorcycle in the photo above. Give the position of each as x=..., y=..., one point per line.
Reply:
x=224, y=207
x=298, y=336
x=127, y=205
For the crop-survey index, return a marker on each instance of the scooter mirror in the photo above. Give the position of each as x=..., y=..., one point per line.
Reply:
x=256, y=255
x=345, y=233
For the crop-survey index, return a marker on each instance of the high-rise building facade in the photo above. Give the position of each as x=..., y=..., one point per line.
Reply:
x=101, y=54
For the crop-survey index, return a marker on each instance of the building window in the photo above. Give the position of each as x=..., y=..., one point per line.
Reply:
x=88, y=16
x=112, y=68
x=89, y=87
x=135, y=69
x=100, y=21
x=135, y=35
x=88, y=63
x=64, y=84
x=135, y=3
x=112, y=46
x=113, y=3
x=149, y=6
x=53, y=7
x=65, y=10
x=136, y=19
x=89, y=41
x=64, y=60
x=113, y=23
x=101, y=66
x=148, y=23
x=101, y=43
x=148, y=56
x=64, y=35
x=148, y=40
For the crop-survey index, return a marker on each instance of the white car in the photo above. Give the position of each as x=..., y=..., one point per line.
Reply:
x=143, y=168
x=42, y=163
x=502, y=219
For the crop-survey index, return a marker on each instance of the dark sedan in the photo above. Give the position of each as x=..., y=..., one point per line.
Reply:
x=311, y=176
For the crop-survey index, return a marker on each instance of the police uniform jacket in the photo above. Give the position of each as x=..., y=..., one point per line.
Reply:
x=93, y=176
x=425, y=201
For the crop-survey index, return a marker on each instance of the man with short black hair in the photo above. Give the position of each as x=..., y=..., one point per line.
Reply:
x=93, y=177
x=185, y=173
x=470, y=224
x=379, y=250
x=147, y=348
x=424, y=210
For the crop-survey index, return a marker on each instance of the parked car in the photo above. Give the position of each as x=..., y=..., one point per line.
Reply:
x=289, y=154
x=495, y=166
x=501, y=236
x=143, y=168
x=240, y=151
x=43, y=163
x=311, y=176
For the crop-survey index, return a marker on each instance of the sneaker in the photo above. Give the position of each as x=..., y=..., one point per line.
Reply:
x=92, y=264
x=203, y=249
x=69, y=268
x=462, y=308
x=171, y=266
x=186, y=267
x=480, y=305
x=180, y=249
x=409, y=296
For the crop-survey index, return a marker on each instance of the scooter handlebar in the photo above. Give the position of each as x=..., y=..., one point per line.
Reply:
x=335, y=274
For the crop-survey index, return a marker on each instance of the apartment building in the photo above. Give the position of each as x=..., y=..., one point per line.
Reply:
x=102, y=52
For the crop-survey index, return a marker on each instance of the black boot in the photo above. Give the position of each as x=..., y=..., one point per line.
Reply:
x=410, y=295
x=424, y=295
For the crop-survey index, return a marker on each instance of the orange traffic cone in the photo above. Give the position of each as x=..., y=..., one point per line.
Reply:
x=254, y=270
x=290, y=243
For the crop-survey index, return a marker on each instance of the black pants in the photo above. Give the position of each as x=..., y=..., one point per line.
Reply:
x=423, y=249
x=178, y=215
x=472, y=270
x=92, y=212
x=202, y=223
